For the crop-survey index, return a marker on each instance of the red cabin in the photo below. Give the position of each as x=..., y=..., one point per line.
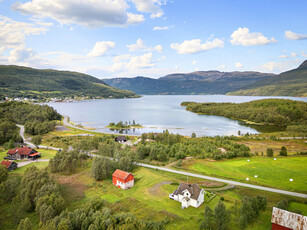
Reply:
x=123, y=179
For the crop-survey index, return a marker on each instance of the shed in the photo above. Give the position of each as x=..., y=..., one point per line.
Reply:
x=284, y=220
x=10, y=165
x=123, y=179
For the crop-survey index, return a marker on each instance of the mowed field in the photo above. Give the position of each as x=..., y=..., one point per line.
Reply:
x=271, y=173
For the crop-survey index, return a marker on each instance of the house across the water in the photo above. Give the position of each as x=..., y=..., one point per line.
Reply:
x=10, y=165
x=120, y=139
x=282, y=219
x=22, y=153
x=188, y=195
x=123, y=179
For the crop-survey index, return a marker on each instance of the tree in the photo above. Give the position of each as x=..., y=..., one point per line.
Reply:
x=222, y=216
x=25, y=224
x=37, y=140
x=283, y=151
x=283, y=204
x=269, y=152
x=239, y=133
x=208, y=220
x=3, y=173
x=193, y=135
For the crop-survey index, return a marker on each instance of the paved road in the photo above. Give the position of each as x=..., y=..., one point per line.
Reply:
x=301, y=195
x=31, y=145
x=225, y=181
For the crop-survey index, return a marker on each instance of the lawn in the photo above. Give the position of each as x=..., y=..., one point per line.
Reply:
x=270, y=172
x=39, y=165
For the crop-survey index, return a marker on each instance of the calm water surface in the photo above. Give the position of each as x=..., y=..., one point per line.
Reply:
x=157, y=113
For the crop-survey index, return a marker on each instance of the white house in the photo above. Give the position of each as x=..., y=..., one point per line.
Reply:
x=188, y=195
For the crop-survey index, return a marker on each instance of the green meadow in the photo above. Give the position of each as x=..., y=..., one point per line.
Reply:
x=271, y=173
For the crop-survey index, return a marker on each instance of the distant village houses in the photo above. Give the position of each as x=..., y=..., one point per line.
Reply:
x=123, y=179
x=282, y=219
x=22, y=153
x=188, y=195
x=10, y=165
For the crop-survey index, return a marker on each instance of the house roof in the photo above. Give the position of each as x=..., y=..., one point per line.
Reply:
x=21, y=151
x=121, y=174
x=289, y=219
x=34, y=154
x=120, y=138
x=6, y=163
x=193, y=189
x=11, y=151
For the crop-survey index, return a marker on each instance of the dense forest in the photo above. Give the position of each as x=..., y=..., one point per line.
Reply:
x=37, y=119
x=40, y=84
x=278, y=112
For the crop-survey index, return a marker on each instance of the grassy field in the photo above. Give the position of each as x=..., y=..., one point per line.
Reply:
x=270, y=172
x=293, y=146
x=148, y=199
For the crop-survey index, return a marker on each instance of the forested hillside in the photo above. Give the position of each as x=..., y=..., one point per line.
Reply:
x=290, y=83
x=38, y=119
x=17, y=81
x=279, y=112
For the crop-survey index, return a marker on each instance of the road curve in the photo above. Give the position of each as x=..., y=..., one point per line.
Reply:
x=301, y=195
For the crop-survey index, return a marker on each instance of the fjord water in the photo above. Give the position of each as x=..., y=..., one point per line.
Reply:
x=157, y=113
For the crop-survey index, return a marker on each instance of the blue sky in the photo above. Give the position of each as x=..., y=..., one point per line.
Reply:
x=128, y=38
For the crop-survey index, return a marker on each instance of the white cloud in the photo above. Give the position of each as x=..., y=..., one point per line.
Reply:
x=196, y=69
x=293, y=54
x=132, y=63
x=157, y=15
x=195, y=46
x=277, y=67
x=283, y=56
x=89, y=13
x=220, y=67
x=135, y=18
x=243, y=37
x=13, y=33
x=194, y=62
x=149, y=6
x=161, y=28
x=294, y=36
x=238, y=65
x=101, y=48
x=140, y=46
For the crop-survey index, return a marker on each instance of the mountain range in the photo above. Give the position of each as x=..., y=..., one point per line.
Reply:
x=290, y=83
x=18, y=81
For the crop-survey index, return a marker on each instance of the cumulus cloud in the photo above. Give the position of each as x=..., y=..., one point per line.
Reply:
x=161, y=28
x=128, y=62
x=283, y=56
x=194, y=62
x=293, y=54
x=89, y=13
x=140, y=46
x=243, y=37
x=294, y=36
x=157, y=15
x=238, y=65
x=195, y=46
x=13, y=33
x=101, y=48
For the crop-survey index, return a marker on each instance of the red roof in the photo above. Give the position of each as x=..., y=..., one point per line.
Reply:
x=121, y=174
x=6, y=163
x=34, y=154
x=11, y=151
x=21, y=151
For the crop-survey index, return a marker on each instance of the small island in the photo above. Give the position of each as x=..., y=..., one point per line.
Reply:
x=124, y=125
